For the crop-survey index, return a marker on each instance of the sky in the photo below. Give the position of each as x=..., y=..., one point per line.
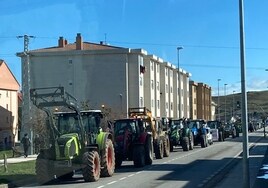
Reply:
x=208, y=31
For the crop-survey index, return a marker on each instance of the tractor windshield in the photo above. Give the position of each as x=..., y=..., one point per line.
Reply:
x=174, y=124
x=68, y=123
x=194, y=124
x=124, y=125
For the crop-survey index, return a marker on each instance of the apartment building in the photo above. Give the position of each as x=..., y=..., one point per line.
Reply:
x=9, y=88
x=200, y=101
x=101, y=74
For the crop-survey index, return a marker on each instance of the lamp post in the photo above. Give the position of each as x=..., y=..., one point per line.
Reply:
x=225, y=102
x=179, y=79
x=233, y=104
x=219, y=116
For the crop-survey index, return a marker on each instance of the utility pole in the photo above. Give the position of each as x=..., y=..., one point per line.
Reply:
x=246, y=180
x=225, y=121
x=179, y=79
x=26, y=84
x=219, y=116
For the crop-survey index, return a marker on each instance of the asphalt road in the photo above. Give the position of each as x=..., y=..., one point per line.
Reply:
x=181, y=169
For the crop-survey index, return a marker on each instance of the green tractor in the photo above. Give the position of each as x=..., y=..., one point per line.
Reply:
x=76, y=141
x=179, y=134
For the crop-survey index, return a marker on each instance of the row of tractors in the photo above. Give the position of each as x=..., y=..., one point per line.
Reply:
x=76, y=141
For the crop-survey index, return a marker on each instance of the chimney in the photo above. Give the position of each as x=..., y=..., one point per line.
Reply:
x=79, y=42
x=61, y=42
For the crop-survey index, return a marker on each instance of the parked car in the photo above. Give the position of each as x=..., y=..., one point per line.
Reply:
x=217, y=130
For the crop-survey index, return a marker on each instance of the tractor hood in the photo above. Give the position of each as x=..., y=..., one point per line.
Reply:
x=68, y=146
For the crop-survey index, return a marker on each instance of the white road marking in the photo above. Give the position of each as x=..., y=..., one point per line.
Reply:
x=111, y=182
x=122, y=178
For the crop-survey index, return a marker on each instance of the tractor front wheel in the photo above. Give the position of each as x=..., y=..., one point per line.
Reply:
x=91, y=170
x=108, y=160
x=166, y=147
x=139, y=156
x=185, y=143
x=149, y=151
x=159, y=149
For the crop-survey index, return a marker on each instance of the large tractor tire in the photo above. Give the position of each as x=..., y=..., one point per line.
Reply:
x=149, y=150
x=159, y=149
x=139, y=156
x=166, y=147
x=44, y=169
x=91, y=170
x=203, y=141
x=185, y=143
x=108, y=160
x=191, y=140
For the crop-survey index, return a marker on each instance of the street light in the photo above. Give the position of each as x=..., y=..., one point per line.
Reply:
x=178, y=50
x=225, y=102
x=233, y=104
x=219, y=117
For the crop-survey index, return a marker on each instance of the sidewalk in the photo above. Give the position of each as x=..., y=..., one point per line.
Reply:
x=258, y=157
x=18, y=159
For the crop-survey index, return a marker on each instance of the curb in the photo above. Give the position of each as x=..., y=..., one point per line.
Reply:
x=219, y=175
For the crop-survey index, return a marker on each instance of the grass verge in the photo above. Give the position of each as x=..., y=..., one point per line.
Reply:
x=18, y=174
x=9, y=154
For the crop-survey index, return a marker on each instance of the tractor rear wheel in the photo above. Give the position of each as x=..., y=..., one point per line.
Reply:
x=91, y=170
x=108, y=160
x=159, y=149
x=166, y=147
x=44, y=169
x=149, y=151
x=185, y=143
x=139, y=155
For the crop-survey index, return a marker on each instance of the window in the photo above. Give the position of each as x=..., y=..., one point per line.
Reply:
x=152, y=66
x=166, y=88
x=166, y=71
x=158, y=104
x=171, y=73
x=157, y=85
x=152, y=103
x=140, y=80
x=166, y=105
x=171, y=90
x=7, y=106
x=7, y=93
x=171, y=106
x=157, y=68
x=152, y=84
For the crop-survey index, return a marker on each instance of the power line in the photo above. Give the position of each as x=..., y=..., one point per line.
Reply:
x=220, y=66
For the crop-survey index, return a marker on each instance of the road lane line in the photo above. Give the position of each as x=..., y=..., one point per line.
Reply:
x=122, y=178
x=111, y=182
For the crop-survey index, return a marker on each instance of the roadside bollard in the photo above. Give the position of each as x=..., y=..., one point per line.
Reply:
x=5, y=162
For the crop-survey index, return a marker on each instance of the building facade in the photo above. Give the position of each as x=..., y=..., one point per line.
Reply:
x=201, y=101
x=9, y=88
x=118, y=78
